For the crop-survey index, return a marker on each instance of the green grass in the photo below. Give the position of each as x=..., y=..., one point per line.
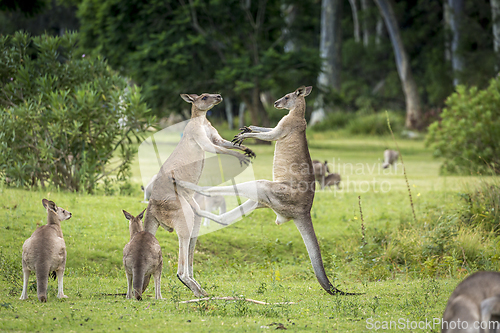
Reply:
x=406, y=269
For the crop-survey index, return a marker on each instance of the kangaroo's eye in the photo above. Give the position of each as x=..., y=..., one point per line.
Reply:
x=286, y=98
x=204, y=98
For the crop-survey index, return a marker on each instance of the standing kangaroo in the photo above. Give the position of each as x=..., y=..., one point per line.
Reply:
x=291, y=193
x=45, y=252
x=474, y=305
x=141, y=258
x=171, y=207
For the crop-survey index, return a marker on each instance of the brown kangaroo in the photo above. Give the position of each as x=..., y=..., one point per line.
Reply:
x=45, y=252
x=171, y=207
x=141, y=257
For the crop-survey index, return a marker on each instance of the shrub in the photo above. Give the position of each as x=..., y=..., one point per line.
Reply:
x=333, y=121
x=483, y=207
x=375, y=124
x=63, y=116
x=467, y=135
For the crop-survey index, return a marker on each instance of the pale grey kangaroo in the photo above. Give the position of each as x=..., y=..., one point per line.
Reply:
x=291, y=193
x=45, y=252
x=141, y=258
x=474, y=305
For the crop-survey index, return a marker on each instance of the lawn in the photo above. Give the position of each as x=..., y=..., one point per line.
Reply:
x=395, y=262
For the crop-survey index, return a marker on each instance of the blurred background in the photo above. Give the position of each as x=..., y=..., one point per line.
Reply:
x=360, y=55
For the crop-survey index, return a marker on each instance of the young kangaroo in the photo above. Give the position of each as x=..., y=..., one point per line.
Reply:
x=45, y=252
x=291, y=193
x=474, y=305
x=171, y=207
x=390, y=156
x=321, y=170
x=333, y=179
x=141, y=258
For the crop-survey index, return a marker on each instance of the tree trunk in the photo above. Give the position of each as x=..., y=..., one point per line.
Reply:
x=241, y=115
x=456, y=13
x=495, y=14
x=229, y=112
x=257, y=112
x=413, y=111
x=447, y=24
x=331, y=43
x=379, y=30
x=354, y=9
x=365, y=6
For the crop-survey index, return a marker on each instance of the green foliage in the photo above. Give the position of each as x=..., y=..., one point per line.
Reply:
x=361, y=123
x=483, y=207
x=467, y=136
x=60, y=113
x=171, y=47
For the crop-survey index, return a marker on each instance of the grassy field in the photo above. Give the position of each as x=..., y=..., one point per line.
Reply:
x=406, y=269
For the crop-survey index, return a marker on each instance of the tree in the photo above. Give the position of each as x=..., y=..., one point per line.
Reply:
x=413, y=105
x=63, y=116
x=171, y=47
x=456, y=8
x=495, y=16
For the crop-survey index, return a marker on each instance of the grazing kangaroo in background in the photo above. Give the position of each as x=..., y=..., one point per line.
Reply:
x=390, y=156
x=333, y=179
x=476, y=303
x=141, y=258
x=171, y=207
x=291, y=193
x=210, y=204
x=45, y=252
x=320, y=171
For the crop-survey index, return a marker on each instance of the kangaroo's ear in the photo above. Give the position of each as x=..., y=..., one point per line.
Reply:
x=49, y=205
x=303, y=91
x=142, y=188
x=141, y=215
x=190, y=98
x=127, y=215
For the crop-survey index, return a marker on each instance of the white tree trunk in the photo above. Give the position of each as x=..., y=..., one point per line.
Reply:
x=413, y=111
x=366, y=30
x=229, y=112
x=330, y=43
x=456, y=12
x=495, y=15
x=354, y=9
x=379, y=30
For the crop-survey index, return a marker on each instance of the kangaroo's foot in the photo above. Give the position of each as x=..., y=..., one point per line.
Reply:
x=192, y=285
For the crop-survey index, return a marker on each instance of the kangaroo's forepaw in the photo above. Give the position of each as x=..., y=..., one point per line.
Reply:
x=245, y=129
x=250, y=153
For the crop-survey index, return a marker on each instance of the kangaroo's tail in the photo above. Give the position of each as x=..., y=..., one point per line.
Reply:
x=42, y=280
x=138, y=281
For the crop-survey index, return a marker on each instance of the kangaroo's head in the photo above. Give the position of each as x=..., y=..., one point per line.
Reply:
x=292, y=100
x=204, y=102
x=135, y=223
x=55, y=214
x=326, y=167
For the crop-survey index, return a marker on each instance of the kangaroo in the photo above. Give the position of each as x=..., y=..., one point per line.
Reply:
x=332, y=179
x=210, y=204
x=45, y=252
x=390, y=156
x=474, y=305
x=320, y=171
x=141, y=258
x=149, y=188
x=171, y=207
x=291, y=193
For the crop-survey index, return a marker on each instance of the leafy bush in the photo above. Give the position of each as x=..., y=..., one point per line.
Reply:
x=468, y=134
x=376, y=124
x=361, y=123
x=63, y=116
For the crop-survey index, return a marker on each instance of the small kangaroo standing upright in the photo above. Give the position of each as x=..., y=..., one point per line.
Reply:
x=45, y=252
x=141, y=258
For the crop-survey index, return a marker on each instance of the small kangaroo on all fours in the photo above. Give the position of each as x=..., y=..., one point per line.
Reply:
x=45, y=252
x=475, y=300
x=141, y=258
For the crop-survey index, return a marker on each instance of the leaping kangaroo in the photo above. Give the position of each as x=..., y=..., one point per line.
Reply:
x=170, y=206
x=290, y=195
